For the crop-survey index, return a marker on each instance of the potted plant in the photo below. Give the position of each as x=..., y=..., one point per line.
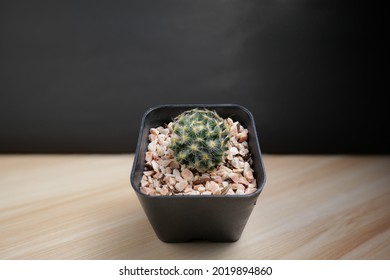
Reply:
x=198, y=171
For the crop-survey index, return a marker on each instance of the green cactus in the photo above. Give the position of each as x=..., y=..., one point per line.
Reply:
x=199, y=139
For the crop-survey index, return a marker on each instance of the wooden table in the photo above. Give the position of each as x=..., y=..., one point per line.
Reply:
x=83, y=207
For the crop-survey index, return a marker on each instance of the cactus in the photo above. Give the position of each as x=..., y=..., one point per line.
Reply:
x=199, y=139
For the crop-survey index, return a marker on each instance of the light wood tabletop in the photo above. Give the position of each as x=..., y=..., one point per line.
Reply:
x=83, y=207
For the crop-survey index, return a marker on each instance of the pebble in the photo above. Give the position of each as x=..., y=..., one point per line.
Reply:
x=181, y=186
x=187, y=174
x=177, y=175
x=152, y=147
x=164, y=190
x=149, y=157
x=155, y=166
x=154, y=131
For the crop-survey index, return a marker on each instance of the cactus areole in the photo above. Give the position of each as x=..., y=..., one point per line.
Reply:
x=200, y=139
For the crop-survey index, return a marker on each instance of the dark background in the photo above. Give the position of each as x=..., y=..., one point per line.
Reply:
x=78, y=76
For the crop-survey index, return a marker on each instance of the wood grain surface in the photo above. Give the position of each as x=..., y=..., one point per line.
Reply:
x=83, y=207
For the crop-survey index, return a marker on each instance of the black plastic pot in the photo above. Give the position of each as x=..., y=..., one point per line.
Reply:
x=219, y=218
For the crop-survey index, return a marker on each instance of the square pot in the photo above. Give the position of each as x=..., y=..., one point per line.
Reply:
x=220, y=218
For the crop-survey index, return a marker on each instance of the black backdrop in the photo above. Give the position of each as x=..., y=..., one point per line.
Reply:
x=78, y=76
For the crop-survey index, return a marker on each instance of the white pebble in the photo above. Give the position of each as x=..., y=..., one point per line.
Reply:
x=154, y=131
x=250, y=190
x=187, y=174
x=172, y=181
x=194, y=193
x=149, y=156
x=164, y=190
x=236, y=162
x=181, y=186
x=233, y=151
x=240, y=192
x=152, y=137
x=249, y=175
x=152, y=146
x=144, y=183
x=160, y=150
x=149, y=173
x=164, y=131
x=156, y=184
x=178, y=178
x=214, y=187
x=155, y=166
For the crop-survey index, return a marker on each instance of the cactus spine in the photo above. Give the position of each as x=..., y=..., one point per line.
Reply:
x=199, y=139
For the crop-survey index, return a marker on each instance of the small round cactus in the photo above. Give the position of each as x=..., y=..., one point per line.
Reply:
x=199, y=139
